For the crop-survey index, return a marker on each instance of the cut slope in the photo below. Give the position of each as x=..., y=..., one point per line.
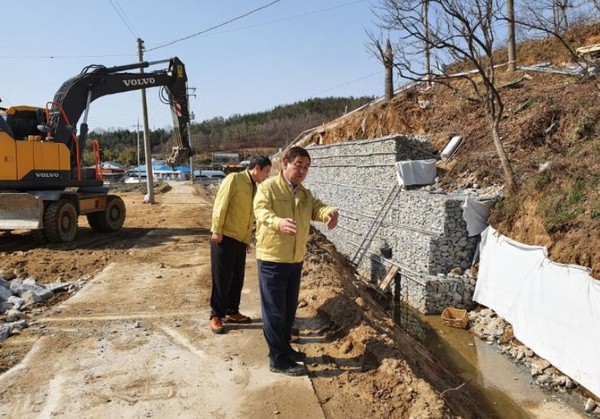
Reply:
x=550, y=130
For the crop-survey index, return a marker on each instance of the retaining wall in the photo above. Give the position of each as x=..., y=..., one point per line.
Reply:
x=382, y=225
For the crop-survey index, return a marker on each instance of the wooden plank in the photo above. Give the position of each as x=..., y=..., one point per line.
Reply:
x=387, y=280
x=588, y=49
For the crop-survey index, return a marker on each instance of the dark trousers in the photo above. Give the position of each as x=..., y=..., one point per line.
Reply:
x=279, y=288
x=227, y=260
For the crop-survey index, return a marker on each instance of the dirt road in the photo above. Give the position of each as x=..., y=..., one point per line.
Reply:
x=134, y=341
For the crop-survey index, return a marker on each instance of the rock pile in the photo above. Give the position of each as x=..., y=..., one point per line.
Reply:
x=487, y=325
x=18, y=293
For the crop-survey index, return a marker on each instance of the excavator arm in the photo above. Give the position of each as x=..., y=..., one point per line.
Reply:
x=75, y=95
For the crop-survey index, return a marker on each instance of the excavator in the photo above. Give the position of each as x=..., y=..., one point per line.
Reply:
x=43, y=184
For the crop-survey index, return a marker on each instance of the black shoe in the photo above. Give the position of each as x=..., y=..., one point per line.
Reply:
x=289, y=368
x=296, y=356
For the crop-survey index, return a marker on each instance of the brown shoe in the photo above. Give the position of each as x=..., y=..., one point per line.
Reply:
x=237, y=318
x=216, y=325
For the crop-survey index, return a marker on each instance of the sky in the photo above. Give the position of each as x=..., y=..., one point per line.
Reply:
x=285, y=52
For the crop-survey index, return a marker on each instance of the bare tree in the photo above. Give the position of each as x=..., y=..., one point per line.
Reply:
x=459, y=30
x=389, y=71
x=552, y=15
x=596, y=4
x=559, y=11
x=386, y=56
x=536, y=20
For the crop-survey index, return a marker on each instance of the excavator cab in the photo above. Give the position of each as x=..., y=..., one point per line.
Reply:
x=24, y=121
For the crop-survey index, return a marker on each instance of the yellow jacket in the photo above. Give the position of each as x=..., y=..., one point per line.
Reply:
x=275, y=201
x=232, y=213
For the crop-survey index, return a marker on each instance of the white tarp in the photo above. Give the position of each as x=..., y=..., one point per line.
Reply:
x=416, y=172
x=554, y=309
x=475, y=214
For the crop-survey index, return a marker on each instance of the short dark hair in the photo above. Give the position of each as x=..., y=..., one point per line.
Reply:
x=260, y=160
x=295, y=151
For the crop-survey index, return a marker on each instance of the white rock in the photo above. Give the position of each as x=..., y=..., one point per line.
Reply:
x=590, y=405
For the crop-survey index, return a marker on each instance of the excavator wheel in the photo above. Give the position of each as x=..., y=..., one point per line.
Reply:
x=60, y=221
x=111, y=219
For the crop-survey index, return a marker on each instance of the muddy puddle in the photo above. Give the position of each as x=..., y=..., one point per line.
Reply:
x=503, y=389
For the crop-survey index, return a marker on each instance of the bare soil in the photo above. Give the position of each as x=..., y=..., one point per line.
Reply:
x=134, y=341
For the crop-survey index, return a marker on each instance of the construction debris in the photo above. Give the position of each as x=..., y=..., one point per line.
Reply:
x=18, y=293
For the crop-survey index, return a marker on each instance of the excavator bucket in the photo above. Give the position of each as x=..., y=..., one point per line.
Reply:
x=20, y=211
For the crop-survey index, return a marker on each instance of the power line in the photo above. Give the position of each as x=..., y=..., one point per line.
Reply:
x=283, y=19
x=347, y=83
x=115, y=4
x=132, y=30
x=52, y=57
x=314, y=12
x=123, y=17
x=214, y=27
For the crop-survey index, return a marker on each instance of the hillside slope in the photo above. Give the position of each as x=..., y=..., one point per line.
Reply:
x=551, y=132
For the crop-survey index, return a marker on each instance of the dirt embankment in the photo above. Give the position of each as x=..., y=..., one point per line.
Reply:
x=374, y=367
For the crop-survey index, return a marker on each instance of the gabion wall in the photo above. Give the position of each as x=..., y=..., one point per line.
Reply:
x=381, y=225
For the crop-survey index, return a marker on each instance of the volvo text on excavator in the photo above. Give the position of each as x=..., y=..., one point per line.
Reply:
x=43, y=186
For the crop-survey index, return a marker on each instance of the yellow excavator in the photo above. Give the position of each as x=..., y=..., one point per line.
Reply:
x=43, y=186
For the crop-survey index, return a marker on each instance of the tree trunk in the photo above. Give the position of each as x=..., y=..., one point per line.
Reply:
x=509, y=178
x=388, y=61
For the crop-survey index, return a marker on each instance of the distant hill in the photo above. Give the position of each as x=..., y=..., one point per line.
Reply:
x=270, y=129
x=245, y=134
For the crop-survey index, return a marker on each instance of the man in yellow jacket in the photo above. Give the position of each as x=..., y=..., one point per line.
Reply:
x=232, y=224
x=284, y=210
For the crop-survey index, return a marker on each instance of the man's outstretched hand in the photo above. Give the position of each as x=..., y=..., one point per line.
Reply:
x=332, y=219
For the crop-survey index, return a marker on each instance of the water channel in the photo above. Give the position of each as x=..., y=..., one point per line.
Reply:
x=504, y=389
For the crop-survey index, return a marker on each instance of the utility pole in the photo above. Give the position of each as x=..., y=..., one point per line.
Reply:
x=427, y=45
x=189, y=131
x=137, y=149
x=147, y=147
x=512, y=49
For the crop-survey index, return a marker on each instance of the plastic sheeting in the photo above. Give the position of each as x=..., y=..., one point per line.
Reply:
x=451, y=148
x=416, y=172
x=554, y=308
x=475, y=214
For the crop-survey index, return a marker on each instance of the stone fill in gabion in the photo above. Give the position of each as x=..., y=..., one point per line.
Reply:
x=421, y=232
